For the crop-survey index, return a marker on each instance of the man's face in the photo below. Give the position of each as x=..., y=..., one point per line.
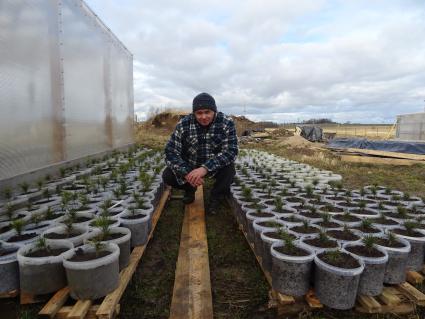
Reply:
x=204, y=116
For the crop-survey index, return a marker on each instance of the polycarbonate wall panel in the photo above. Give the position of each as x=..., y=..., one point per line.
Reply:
x=83, y=50
x=411, y=127
x=25, y=90
x=62, y=93
x=122, y=96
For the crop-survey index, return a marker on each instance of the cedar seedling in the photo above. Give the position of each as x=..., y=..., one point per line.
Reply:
x=103, y=223
x=84, y=200
x=41, y=244
x=323, y=237
x=326, y=217
x=306, y=224
x=24, y=187
x=410, y=227
x=18, y=226
x=66, y=199
x=289, y=243
x=46, y=193
x=401, y=211
x=40, y=184
x=9, y=211
x=49, y=214
x=273, y=224
x=366, y=223
x=7, y=192
x=97, y=245
x=62, y=172
x=278, y=203
x=362, y=192
x=369, y=242
x=247, y=193
x=374, y=190
x=333, y=255
x=309, y=191
x=36, y=219
x=392, y=239
x=117, y=193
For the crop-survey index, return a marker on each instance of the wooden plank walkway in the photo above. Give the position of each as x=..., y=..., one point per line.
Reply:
x=192, y=297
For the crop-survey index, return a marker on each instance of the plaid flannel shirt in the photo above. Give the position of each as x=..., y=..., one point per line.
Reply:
x=192, y=145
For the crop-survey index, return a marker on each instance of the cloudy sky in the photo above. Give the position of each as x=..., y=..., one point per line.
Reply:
x=281, y=60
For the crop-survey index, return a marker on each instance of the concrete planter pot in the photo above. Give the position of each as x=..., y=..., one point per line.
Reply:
x=372, y=279
x=9, y=269
x=395, y=272
x=415, y=259
x=123, y=242
x=139, y=224
x=42, y=275
x=76, y=237
x=261, y=226
x=336, y=287
x=251, y=216
x=84, y=218
x=93, y=279
x=30, y=236
x=291, y=274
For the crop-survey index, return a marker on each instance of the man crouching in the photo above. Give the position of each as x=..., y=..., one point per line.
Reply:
x=204, y=143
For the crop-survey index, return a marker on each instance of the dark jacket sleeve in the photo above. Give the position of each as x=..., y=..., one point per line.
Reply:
x=173, y=153
x=229, y=149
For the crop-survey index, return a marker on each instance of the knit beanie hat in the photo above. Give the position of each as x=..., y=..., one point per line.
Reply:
x=204, y=101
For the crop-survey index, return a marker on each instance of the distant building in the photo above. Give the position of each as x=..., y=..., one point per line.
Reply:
x=411, y=127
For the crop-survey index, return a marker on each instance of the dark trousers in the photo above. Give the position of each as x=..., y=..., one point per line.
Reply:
x=223, y=179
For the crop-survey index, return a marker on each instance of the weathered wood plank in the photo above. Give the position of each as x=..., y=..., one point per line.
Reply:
x=55, y=303
x=312, y=300
x=369, y=303
x=414, y=277
x=416, y=157
x=377, y=160
x=192, y=286
x=388, y=297
x=411, y=292
x=80, y=309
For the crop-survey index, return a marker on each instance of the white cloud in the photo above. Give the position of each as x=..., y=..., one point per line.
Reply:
x=354, y=60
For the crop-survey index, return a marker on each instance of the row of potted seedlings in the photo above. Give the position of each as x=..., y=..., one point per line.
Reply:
x=317, y=233
x=80, y=232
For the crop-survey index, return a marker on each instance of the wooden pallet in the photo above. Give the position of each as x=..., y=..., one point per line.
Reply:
x=285, y=304
x=397, y=299
x=109, y=307
x=192, y=287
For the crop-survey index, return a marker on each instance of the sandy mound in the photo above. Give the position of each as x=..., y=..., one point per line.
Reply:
x=295, y=141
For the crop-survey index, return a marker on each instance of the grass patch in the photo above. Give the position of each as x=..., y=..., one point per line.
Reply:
x=150, y=291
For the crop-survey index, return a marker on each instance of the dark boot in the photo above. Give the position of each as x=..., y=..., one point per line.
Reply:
x=189, y=197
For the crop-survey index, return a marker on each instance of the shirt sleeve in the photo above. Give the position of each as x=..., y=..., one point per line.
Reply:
x=229, y=150
x=173, y=153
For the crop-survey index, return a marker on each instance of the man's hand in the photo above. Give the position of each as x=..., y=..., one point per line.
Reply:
x=196, y=177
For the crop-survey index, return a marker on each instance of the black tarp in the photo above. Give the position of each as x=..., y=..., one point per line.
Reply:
x=389, y=146
x=311, y=133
